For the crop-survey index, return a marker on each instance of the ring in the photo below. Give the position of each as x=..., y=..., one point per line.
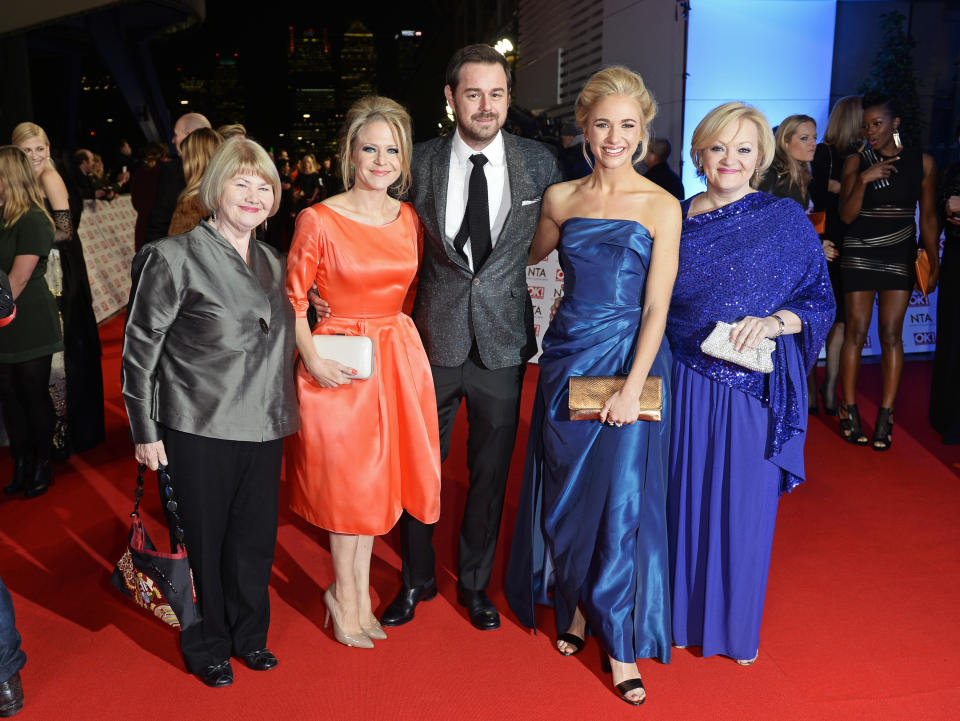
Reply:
x=619, y=424
x=610, y=423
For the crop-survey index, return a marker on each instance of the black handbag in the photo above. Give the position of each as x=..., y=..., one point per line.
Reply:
x=160, y=583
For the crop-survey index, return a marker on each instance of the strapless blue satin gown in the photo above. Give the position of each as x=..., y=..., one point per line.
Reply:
x=591, y=521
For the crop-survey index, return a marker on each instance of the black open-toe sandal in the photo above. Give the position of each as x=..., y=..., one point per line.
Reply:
x=850, y=428
x=883, y=431
x=573, y=640
x=624, y=687
x=631, y=684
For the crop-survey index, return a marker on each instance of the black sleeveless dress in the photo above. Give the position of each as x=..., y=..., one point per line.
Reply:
x=880, y=245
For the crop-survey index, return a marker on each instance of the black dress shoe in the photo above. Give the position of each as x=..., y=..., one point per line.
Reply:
x=261, y=660
x=219, y=675
x=22, y=471
x=41, y=481
x=483, y=614
x=400, y=610
x=11, y=696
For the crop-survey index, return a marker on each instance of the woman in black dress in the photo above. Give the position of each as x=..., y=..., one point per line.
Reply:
x=881, y=187
x=844, y=135
x=945, y=388
x=80, y=423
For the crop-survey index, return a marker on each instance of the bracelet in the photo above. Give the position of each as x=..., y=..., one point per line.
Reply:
x=782, y=325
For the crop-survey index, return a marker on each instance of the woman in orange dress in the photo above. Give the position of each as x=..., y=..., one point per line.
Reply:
x=367, y=449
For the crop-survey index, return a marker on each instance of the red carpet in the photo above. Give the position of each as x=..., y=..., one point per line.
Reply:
x=860, y=622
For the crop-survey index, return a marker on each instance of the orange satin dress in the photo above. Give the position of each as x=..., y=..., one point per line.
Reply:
x=369, y=449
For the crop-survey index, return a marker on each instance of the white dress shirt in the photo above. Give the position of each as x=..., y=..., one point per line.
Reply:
x=458, y=187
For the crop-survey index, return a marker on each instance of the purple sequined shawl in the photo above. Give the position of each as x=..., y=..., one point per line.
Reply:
x=753, y=257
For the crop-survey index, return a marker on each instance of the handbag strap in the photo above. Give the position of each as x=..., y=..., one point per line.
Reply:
x=170, y=503
x=167, y=497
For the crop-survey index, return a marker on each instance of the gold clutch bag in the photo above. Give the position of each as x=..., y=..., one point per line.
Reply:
x=589, y=393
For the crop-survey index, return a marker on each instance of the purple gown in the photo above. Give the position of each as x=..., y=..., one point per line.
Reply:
x=737, y=436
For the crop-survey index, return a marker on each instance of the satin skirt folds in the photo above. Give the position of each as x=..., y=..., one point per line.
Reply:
x=721, y=510
x=591, y=521
x=369, y=449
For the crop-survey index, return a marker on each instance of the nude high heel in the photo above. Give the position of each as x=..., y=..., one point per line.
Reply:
x=361, y=640
x=375, y=631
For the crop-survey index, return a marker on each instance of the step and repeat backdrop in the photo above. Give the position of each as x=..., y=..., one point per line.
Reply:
x=545, y=284
x=106, y=231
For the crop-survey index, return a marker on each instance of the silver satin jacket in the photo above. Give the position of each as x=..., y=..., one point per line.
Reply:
x=209, y=342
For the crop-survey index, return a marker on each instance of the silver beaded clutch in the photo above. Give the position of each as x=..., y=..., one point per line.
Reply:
x=718, y=345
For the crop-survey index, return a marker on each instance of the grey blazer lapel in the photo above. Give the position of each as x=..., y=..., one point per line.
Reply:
x=440, y=173
x=519, y=183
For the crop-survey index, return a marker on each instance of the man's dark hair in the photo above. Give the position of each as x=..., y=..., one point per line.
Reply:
x=81, y=156
x=662, y=148
x=475, y=54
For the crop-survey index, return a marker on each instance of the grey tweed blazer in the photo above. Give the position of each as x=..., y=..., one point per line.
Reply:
x=453, y=304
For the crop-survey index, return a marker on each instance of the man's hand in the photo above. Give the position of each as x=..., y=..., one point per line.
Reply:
x=319, y=304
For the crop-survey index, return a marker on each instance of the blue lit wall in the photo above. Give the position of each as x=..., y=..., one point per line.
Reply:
x=774, y=54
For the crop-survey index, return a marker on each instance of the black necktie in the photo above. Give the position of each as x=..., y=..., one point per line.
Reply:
x=476, y=219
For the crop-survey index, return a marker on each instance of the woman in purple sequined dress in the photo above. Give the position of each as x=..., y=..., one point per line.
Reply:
x=737, y=437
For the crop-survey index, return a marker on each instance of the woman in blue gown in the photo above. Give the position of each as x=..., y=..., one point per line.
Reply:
x=591, y=526
x=737, y=435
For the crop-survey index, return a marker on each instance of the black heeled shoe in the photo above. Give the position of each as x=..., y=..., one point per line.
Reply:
x=850, y=429
x=883, y=430
x=42, y=479
x=572, y=640
x=21, y=472
x=624, y=687
x=833, y=410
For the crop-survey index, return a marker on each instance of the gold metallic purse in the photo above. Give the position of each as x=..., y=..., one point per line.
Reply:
x=589, y=393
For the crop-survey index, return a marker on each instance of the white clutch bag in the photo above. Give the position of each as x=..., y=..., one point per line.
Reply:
x=353, y=351
x=718, y=345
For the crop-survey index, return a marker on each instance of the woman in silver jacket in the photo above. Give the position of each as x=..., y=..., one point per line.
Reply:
x=208, y=386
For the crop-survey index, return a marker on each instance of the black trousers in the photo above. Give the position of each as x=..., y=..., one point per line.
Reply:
x=227, y=501
x=28, y=412
x=493, y=412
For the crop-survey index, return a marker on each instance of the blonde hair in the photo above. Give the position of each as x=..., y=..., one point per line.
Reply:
x=24, y=131
x=21, y=190
x=310, y=165
x=231, y=130
x=616, y=80
x=783, y=163
x=196, y=150
x=235, y=156
x=371, y=109
x=845, y=126
x=718, y=120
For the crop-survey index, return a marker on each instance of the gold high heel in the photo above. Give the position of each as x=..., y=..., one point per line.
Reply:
x=375, y=631
x=356, y=641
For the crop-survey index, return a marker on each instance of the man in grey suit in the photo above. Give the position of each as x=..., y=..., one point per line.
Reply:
x=477, y=192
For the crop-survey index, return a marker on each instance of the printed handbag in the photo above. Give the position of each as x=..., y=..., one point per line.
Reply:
x=160, y=583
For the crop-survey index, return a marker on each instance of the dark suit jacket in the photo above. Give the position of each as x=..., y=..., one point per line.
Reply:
x=209, y=343
x=663, y=175
x=170, y=184
x=455, y=305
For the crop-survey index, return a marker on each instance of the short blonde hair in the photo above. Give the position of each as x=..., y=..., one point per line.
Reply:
x=309, y=164
x=617, y=80
x=371, y=109
x=845, y=126
x=196, y=150
x=24, y=131
x=237, y=155
x=718, y=120
x=232, y=130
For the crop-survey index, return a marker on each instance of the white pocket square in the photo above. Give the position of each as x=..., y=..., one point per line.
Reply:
x=530, y=202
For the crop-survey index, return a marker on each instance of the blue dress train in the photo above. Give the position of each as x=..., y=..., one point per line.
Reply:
x=591, y=522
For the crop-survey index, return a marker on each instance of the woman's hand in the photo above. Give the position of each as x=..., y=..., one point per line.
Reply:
x=554, y=308
x=833, y=186
x=748, y=333
x=152, y=454
x=829, y=249
x=622, y=407
x=329, y=373
x=953, y=209
x=883, y=169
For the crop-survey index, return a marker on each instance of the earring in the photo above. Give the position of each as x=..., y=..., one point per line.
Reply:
x=213, y=217
x=640, y=149
x=896, y=138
